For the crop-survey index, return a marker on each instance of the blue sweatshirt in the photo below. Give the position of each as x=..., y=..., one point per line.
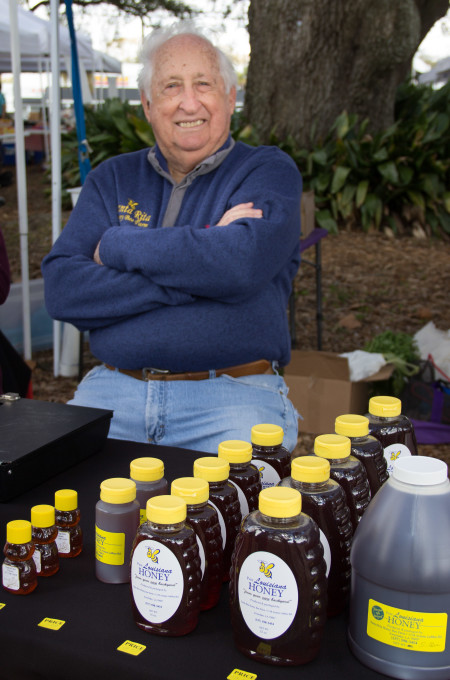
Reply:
x=187, y=297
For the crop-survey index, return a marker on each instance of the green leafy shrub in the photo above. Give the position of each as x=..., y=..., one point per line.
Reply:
x=399, y=349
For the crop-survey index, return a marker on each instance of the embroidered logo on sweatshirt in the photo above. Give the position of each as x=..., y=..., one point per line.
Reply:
x=131, y=213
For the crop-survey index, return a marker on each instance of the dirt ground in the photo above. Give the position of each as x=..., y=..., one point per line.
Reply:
x=371, y=283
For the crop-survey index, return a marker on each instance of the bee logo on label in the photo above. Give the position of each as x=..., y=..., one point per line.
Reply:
x=152, y=554
x=266, y=570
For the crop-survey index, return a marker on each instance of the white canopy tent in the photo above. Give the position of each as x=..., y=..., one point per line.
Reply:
x=30, y=43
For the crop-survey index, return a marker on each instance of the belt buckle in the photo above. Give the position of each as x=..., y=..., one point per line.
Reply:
x=148, y=370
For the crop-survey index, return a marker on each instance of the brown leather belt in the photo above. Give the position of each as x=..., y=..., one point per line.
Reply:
x=253, y=368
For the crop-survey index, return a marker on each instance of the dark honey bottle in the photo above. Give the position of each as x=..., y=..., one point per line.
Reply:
x=165, y=570
x=67, y=518
x=148, y=474
x=224, y=498
x=269, y=455
x=394, y=430
x=364, y=447
x=324, y=500
x=347, y=470
x=18, y=569
x=243, y=473
x=278, y=587
x=44, y=533
x=203, y=518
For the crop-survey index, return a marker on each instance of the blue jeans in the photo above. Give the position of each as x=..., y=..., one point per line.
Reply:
x=192, y=414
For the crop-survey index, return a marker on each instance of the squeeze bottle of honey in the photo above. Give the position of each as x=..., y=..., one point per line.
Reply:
x=148, y=474
x=364, y=447
x=394, y=430
x=400, y=600
x=165, y=570
x=224, y=498
x=347, y=470
x=325, y=502
x=18, y=569
x=269, y=455
x=278, y=587
x=203, y=518
x=67, y=517
x=44, y=533
x=116, y=523
x=243, y=473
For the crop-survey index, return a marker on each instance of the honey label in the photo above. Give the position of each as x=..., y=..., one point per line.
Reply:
x=109, y=547
x=269, y=476
x=417, y=631
x=142, y=515
x=237, y=674
x=133, y=648
x=393, y=452
x=268, y=595
x=52, y=624
x=10, y=577
x=157, y=581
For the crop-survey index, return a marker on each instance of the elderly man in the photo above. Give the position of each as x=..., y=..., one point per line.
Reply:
x=179, y=260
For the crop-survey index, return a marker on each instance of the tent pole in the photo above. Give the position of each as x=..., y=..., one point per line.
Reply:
x=55, y=129
x=21, y=178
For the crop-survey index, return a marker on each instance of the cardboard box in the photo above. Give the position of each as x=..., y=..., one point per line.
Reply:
x=320, y=389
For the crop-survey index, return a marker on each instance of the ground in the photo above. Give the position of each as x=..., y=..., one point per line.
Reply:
x=371, y=283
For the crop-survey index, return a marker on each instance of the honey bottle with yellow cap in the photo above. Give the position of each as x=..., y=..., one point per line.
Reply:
x=18, y=569
x=44, y=532
x=243, y=473
x=278, y=587
x=165, y=570
x=67, y=518
x=116, y=523
x=148, y=474
x=364, y=447
x=347, y=470
x=203, y=518
x=224, y=498
x=269, y=455
x=324, y=500
x=393, y=429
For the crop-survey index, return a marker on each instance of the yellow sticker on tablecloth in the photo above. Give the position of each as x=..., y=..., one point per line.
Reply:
x=2, y=604
x=417, y=631
x=130, y=647
x=237, y=674
x=52, y=624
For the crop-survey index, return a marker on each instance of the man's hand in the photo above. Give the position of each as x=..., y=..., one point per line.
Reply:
x=97, y=254
x=237, y=212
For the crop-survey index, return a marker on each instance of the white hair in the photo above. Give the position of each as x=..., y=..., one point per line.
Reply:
x=160, y=36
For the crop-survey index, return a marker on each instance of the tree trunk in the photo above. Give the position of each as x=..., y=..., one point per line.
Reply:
x=312, y=59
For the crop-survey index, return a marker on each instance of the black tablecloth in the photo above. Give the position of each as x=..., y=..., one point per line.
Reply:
x=98, y=617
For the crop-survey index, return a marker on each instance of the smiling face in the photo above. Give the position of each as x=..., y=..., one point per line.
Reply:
x=190, y=110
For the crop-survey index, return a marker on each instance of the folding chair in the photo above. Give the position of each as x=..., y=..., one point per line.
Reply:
x=311, y=236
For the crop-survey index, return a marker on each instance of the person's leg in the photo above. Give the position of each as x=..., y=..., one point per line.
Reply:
x=125, y=396
x=200, y=414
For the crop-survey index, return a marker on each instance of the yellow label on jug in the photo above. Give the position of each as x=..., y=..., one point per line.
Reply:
x=109, y=547
x=142, y=515
x=417, y=631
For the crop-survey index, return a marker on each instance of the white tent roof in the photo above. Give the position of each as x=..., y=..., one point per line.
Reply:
x=34, y=37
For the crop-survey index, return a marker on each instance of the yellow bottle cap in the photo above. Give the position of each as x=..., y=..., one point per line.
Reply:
x=118, y=490
x=332, y=446
x=18, y=531
x=192, y=490
x=280, y=501
x=146, y=469
x=352, y=425
x=235, y=451
x=387, y=407
x=66, y=500
x=42, y=516
x=211, y=469
x=265, y=434
x=310, y=469
x=166, y=509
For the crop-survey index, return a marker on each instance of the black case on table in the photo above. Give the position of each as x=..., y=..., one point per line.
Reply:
x=38, y=439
